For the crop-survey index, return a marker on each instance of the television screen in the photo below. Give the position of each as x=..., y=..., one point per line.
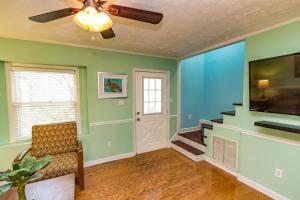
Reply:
x=275, y=85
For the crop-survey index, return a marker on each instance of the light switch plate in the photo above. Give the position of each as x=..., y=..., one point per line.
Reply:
x=121, y=102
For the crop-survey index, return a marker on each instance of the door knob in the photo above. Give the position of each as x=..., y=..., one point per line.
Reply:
x=138, y=119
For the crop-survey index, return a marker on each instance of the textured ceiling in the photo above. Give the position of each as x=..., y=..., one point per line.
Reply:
x=188, y=25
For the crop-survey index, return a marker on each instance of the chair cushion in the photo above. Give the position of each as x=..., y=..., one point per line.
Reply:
x=54, y=139
x=61, y=164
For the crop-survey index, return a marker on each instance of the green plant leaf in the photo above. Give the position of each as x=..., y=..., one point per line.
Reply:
x=40, y=164
x=16, y=166
x=28, y=162
x=36, y=167
x=47, y=159
x=4, y=188
x=19, y=174
x=35, y=176
x=26, y=170
x=4, y=176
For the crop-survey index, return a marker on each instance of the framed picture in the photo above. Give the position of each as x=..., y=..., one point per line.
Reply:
x=112, y=85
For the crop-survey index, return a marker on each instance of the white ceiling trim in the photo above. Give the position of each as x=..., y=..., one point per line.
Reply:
x=90, y=47
x=237, y=39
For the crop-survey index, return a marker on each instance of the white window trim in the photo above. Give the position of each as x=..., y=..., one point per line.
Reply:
x=23, y=66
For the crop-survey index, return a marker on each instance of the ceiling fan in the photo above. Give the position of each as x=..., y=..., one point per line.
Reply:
x=92, y=16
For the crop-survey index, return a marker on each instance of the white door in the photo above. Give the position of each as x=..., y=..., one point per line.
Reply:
x=152, y=122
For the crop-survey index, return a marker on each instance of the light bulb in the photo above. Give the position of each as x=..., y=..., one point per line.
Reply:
x=92, y=20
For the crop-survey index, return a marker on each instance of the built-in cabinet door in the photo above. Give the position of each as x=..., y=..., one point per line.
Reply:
x=218, y=149
x=225, y=151
x=230, y=154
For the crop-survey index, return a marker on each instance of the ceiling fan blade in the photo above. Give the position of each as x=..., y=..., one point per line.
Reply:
x=46, y=17
x=136, y=14
x=108, y=34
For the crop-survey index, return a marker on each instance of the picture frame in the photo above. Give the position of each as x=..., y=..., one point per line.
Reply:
x=112, y=85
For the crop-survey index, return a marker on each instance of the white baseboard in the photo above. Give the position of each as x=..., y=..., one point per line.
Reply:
x=172, y=138
x=261, y=188
x=184, y=130
x=253, y=184
x=108, y=159
x=215, y=163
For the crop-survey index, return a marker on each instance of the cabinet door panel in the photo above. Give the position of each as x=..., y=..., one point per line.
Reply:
x=218, y=149
x=230, y=154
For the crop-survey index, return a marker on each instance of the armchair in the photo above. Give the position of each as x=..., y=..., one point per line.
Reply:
x=59, y=141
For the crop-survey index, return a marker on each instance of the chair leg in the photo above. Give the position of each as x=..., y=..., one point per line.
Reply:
x=81, y=180
x=80, y=166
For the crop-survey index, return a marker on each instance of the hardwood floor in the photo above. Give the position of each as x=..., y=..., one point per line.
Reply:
x=163, y=174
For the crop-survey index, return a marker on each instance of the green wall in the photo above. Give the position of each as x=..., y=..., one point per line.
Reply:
x=258, y=157
x=91, y=61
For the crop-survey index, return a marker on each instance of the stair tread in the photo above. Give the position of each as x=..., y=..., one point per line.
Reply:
x=195, y=136
x=220, y=121
x=188, y=147
x=232, y=113
x=207, y=126
x=237, y=104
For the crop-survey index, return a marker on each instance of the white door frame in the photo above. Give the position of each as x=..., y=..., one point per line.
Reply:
x=134, y=103
x=179, y=69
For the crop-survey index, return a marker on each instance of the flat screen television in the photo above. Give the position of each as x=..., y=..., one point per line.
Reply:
x=275, y=85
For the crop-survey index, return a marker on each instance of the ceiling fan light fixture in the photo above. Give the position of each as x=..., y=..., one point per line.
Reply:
x=93, y=20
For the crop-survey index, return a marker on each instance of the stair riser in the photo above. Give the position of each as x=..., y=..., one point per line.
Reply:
x=186, y=130
x=191, y=143
x=188, y=154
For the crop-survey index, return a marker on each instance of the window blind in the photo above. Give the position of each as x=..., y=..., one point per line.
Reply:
x=41, y=96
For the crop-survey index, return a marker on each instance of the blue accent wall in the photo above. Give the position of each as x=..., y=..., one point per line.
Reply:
x=210, y=83
x=192, y=90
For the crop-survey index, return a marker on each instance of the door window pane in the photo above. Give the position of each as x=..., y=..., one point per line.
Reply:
x=152, y=95
x=158, y=107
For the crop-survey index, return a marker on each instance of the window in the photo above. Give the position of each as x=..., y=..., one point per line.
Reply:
x=41, y=96
x=152, y=95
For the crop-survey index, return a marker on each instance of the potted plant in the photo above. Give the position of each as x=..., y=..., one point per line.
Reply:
x=22, y=173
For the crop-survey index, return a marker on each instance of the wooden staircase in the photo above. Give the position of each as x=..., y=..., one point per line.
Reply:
x=191, y=143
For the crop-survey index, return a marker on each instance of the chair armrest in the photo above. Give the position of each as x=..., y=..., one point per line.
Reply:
x=21, y=155
x=79, y=147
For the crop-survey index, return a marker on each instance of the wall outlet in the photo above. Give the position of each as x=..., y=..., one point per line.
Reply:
x=109, y=143
x=190, y=116
x=278, y=173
